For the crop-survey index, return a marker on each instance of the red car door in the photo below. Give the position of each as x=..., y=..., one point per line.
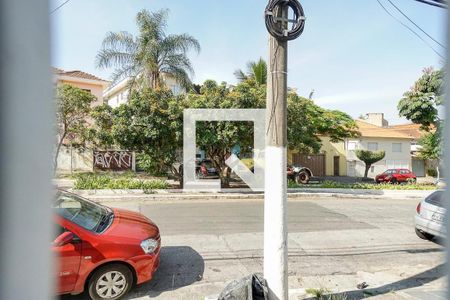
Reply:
x=403, y=176
x=68, y=259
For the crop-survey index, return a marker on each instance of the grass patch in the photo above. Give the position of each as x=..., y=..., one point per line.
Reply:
x=125, y=181
x=317, y=293
x=248, y=162
x=321, y=294
x=364, y=186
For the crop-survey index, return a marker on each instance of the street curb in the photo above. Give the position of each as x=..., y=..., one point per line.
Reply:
x=245, y=194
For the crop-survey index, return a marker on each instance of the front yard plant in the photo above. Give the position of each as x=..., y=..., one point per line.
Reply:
x=364, y=186
x=126, y=181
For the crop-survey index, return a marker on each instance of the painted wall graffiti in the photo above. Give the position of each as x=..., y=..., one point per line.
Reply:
x=113, y=160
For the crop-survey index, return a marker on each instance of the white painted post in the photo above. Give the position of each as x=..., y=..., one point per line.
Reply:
x=275, y=196
x=133, y=162
x=71, y=158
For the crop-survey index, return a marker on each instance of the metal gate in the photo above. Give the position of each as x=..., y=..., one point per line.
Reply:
x=418, y=167
x=316, y=162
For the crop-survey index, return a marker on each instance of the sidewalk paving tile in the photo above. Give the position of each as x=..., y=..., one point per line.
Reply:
x=427, y=295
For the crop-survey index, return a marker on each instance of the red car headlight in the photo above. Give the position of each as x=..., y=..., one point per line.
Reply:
x=149, y=245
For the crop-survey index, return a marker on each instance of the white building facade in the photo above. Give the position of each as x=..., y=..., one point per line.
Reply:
x=119, y=93
x=378, y=137
x=397, y=155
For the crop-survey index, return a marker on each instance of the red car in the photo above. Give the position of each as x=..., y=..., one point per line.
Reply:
x=396, y=176
x=103, y=250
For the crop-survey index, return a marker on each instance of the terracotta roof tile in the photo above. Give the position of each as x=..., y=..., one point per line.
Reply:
x=369, y=130
x=413, y=130
x=77, y=74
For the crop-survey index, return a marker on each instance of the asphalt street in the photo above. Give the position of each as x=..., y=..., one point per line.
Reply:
x=334, y=244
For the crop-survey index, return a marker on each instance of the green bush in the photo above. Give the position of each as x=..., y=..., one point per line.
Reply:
x=432, y=172
x=145, y=163
x=93, y=181
x=364, y=186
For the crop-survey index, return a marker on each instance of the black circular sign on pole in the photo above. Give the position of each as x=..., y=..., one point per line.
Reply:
x=277, y=25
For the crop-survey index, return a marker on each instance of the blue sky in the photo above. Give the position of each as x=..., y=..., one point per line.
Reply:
x=357, y=58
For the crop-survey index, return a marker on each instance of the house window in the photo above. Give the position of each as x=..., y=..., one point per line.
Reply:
x=397, y=164
x=351, y=146
x=396, y=147
x=372, y=146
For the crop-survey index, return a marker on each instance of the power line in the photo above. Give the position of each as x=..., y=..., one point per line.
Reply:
x=433, y=3
x=59, y=6
x=440, y=1
x=410, y=29
x=417, y=26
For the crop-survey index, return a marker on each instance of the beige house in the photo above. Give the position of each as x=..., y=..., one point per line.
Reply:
x=335, y=157
x=376, y=135
x=331, y=161
x=69, y=159
x=84, y=81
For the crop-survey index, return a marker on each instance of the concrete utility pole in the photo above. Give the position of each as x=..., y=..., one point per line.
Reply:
x=26, y=117
x=275, y=196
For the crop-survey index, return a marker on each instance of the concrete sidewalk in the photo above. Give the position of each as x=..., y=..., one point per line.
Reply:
x=245, y=194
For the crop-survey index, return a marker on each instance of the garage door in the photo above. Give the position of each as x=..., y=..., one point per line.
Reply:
x=315, y=162
x=418, y=167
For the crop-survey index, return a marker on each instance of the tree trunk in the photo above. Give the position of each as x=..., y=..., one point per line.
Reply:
x=155, y=80
x=366, y=172
x=228, y=174
x=224, y=179
x=58, y=148
x=177, y=175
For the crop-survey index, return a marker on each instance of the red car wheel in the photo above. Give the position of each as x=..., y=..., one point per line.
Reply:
x=110, y=282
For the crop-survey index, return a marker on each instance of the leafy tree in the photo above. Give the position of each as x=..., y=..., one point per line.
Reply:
x=217, y=138
x=73, y=106
x=306, y=122
x=369, y=158
x=150, y=124
x=151, y=54
x=421, y=105
x=432, y=148
x=256, y=70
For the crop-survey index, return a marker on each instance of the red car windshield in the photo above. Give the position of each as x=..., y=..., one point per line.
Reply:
x=86, y=214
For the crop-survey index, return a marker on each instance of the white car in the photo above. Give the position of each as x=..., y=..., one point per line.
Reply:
x=430, y=214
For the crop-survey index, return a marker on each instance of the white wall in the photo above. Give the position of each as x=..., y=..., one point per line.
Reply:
x=402, y=159
x=81, y=161
x=174, y=86
x=119, y=98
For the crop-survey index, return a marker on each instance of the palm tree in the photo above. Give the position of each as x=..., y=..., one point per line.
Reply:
x=146, y=57
x=256, y=70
